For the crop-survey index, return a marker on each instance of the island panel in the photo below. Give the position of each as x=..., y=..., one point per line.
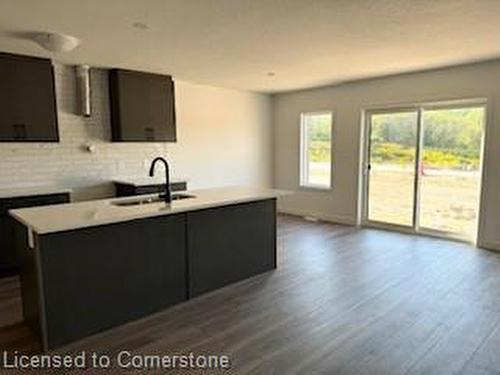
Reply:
x=79, y=282
x=230, y=243
x=100, y=277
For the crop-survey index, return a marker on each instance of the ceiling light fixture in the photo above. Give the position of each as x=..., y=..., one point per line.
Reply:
x=55, y=42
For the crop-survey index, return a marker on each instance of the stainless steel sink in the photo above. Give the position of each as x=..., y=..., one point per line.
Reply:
x=142, y=201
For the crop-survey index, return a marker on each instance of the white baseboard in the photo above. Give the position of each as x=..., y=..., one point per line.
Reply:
x=489, y=245
x=347, y=220
x=331, y=218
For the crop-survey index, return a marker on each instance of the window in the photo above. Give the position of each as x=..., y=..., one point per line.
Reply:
x=316, y=150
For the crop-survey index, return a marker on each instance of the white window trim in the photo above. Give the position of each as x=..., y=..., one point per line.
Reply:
x=303, y=163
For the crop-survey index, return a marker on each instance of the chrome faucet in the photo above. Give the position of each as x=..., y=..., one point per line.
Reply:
x=167, y=196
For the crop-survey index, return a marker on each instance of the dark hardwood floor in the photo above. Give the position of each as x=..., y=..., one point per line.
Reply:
x=342, y=301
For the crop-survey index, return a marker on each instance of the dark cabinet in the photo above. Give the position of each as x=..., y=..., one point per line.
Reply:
x=90, y=279
x=100, y=277
x=142, y=107
x=27, y=98
x=9, y=262
x=123, y=189
x=231, y=243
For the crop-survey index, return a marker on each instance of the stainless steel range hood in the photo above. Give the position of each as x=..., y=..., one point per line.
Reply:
x=84, y=92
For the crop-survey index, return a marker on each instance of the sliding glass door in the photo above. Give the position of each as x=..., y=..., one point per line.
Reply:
x=450, y=175
x=393, y=152
x=423, y=169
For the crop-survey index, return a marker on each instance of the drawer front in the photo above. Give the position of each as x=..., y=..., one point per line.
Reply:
x=152, y=189
x=178, y=186
x=123, y=190
x=31, y=201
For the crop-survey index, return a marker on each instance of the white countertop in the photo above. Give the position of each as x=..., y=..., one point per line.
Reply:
x=61, y=217
x=145, y=181
x=30, y=190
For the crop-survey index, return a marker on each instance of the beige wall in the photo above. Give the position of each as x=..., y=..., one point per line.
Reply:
x=224, y=138
x=347, y=102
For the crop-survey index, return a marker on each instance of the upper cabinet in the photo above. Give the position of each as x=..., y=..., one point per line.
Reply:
x=142, y=107
x=27, y=99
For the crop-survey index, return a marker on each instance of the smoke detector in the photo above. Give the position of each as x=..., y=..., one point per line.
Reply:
x=55, y=42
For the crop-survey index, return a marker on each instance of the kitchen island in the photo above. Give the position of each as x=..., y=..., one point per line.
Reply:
x=90, y=266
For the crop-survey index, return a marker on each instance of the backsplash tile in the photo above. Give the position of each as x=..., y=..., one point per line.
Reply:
x=69, y=163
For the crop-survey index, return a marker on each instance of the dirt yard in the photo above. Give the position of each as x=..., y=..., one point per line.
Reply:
x=449, y=199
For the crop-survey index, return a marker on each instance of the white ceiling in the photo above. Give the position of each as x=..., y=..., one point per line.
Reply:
x=236, y=43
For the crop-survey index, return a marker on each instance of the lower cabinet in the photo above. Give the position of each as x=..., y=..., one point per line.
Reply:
x=9, y=262
x=230, y=243
x=79, y=282
x=101, y=277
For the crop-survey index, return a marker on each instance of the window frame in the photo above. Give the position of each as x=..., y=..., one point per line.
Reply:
x=304, y=162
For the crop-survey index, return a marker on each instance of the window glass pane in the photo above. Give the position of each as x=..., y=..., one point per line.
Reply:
x=393, y=150
x=317, y=151
x=450, y=170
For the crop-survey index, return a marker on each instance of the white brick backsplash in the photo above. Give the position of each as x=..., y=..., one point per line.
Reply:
x=68, y=163
x=224, y=138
